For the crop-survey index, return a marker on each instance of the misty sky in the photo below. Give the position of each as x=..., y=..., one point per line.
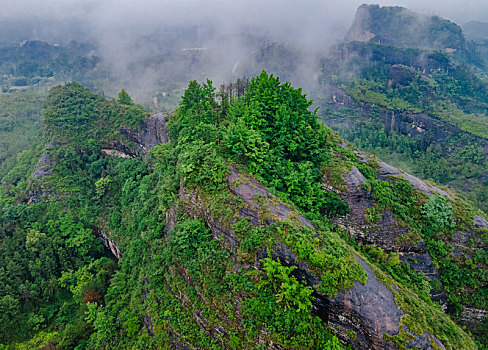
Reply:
x=247, y=12
x=311, y=26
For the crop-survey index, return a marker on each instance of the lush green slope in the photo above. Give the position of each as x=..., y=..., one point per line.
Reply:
x=415, y=108
x=20, y=124
x=194, y=269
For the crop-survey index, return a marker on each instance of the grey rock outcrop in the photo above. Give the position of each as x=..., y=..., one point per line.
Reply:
x=480, y=222
x=151, y=133
x=109, y=242
x=258, y=205
x=43, y=168
x=40, y=192
x=369, y=311
x=417, y=184
x=386, y=233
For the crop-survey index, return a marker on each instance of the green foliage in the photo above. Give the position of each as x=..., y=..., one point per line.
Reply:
x=103, y=325
x=270, y=130
x=70, y=111
x=201, y=164
x=124, y=98
x=245, y=145
x=37, y=64
x=276, y=136
x=438, y=211
x=458, y=161
x=290, y=292
x=20, y=119
x=102, y=185
x=182, y=270
x=283, y=306
x=73, y=114
x=33, y=257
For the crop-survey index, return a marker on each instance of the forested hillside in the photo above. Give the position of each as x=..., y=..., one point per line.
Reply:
x=246, y=216
x=20, y=125
x=229, y=223
x=421, y=107
x=38, y=63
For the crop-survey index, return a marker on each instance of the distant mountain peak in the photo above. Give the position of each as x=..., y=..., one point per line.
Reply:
x=398, y=26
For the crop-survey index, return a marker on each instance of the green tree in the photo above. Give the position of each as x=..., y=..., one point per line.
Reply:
x=124, y=98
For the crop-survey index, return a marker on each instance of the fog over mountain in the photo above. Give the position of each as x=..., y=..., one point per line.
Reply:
x=150, y=42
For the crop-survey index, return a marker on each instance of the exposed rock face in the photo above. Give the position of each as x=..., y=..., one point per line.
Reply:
x=255, y=198
x=473, y=317
x=43, y=170
x=386, y=232
x=368, y=311
x=401, y=27
x=109, y=242
x=431, y=130
x=152, y=133
x=480, y=222
x=359, y=30
x=43, y=167
x=196, y=207
x=417, y=184
x=401, y=75
x=250, y=190
x=425, y=342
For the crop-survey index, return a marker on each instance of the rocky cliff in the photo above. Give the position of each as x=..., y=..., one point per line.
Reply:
x=364, y=315
x=428, y=130
x=399, y=26
x=211, y=257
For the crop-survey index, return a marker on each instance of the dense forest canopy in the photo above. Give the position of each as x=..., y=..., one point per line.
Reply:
x=67, y=290
x=247, y=217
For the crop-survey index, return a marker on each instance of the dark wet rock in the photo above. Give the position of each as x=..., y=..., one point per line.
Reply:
x=386, y=232
x=43, y=168
x=473, y=317
x=147, y=323
x=382, y=233
x=176, y=344
x=480, y=222
x=39, y=191
x=256, y=203
x=253, y=193
x=420, y=261
x=151, y=133
x=424, y=342
x=109, y=242
x=417, y=184
x=196, y=207
x=369, y=310
x=288, y=258
x=156, y=131
x=401, y=75
x=354, y=178
x=466, y=243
